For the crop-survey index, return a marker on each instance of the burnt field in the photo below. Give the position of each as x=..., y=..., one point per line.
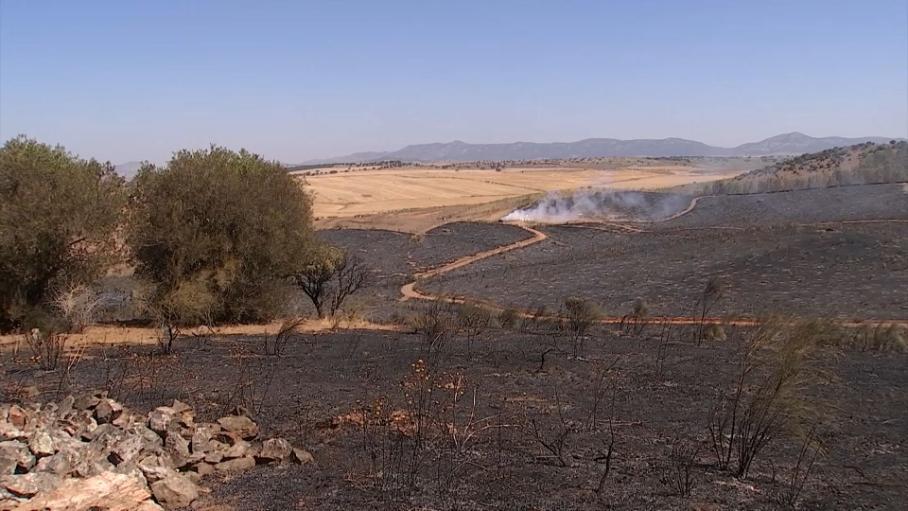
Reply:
x=844, y=203
x=394, y=257
x=839, y=261
x=647, y=399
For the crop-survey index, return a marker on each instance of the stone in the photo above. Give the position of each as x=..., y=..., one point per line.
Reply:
x=202, y=436
x=302, y=456
x=108, y=491
x=27, y=485
x=107, y=410
x=17, y=416
x=154, y=468
x=240, y=425
x=60, y=464
x=160, y=418
x=86, y=402
x=239, y=449
x=65, y=406
x=175, y=491
x=178, y=448
x=19, y=452
x=236, y=465
x=127, y=448
x=275, y=449
x=10, y=432
x=204, y=469
x=41, y=444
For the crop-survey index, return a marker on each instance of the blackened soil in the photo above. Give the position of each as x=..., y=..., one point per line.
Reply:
x=498, y=463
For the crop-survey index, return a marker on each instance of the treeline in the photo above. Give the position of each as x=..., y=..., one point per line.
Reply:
x=866, y=163
x=213, y=236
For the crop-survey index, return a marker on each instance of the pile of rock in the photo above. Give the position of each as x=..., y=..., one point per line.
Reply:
x=90, y=452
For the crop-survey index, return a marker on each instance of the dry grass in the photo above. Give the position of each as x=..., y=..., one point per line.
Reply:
x=132, y=335
x=420, y=197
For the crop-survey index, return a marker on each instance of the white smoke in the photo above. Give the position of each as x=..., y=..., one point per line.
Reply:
x=599, y=205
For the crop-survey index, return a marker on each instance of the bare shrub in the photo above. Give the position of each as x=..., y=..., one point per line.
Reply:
x=253, y=382
x=811, y=449
x=472, y=321
x=678, y=473
x=553, y=435
x=509, y=319
x=773, y=368
x=78, y=305
x=710, y=295
x=580, y=315
x=330, y=278
x=635, y=321
x=434, y=324
x=276, y=344
x=47, y=348
x=881, y=337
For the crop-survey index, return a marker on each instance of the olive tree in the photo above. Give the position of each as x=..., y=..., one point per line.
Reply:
x=216, y=233
x=58, y=215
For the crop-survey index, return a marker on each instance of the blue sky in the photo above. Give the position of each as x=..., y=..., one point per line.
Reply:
x=127, y=81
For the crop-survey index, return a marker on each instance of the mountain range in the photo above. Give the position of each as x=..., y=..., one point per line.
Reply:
x=785, y=144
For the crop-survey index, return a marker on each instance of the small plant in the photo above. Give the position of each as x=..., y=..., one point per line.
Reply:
x=78, y=305
x=710, y=295
x=472, y=321
x=508, y=319
x=277, y=343
x=773, y=369
x=580, y=315
x=47, y=348
x=811, y=449
x=553, y=437
x=679, y=472
x=635, y=321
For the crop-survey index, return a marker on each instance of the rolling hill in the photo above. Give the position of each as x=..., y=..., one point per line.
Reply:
x=785, y=144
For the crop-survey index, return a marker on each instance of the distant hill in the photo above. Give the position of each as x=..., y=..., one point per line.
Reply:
x=785, y=144
x=857, y=164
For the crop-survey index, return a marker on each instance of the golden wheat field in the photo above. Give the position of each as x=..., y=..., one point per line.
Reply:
x=342, y=197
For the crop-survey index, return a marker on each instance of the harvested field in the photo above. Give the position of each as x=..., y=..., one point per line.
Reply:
x=312, y=395
x=366, y=198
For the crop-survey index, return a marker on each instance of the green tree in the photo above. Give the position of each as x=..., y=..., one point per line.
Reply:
x=217, y=233
x=58, y=214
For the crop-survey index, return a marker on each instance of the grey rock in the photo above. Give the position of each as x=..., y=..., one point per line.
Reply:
x=275, y=449
x=240, y=425
x=175, y=491
x=160, y=418
x=27, y=485
x=42, y=444
x=302, y=456
x=236, y=465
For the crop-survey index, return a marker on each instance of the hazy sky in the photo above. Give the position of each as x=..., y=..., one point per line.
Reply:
x=297, y=80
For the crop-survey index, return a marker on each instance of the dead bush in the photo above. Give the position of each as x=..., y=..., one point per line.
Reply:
x=78, y=305
x=580, y=315
x=472, y=321
x=678, y=473
x=709, y=296
x=47, y=348
x=277, y=343
x=509, y=319
x=765, y=399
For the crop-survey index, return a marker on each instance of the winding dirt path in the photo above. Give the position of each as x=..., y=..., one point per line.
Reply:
x=409, y=291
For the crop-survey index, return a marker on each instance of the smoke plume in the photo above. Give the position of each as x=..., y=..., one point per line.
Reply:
x=601, y=205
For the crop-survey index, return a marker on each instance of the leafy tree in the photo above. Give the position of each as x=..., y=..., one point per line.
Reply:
x=58, y=214
x=216, y=233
